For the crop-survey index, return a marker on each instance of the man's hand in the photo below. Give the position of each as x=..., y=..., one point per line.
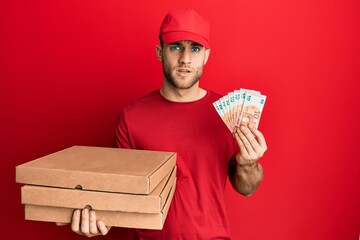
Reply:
x=252, y=145
x=247, y=173
x=86, y=223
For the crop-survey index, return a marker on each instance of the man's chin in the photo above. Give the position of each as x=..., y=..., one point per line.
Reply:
x=184, y=83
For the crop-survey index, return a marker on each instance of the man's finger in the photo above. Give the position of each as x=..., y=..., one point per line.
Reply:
x=92, y=223
x=252, y=139
x=247, y=138
x=61, y=224
x=257, y=142
x=103, y=229
x=85, y=222
x=75, y=222
x=242, y=147
x=259, y=136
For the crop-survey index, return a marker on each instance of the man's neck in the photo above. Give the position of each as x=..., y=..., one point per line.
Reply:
x=182, y=95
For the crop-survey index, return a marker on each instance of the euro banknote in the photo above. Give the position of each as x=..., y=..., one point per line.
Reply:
x=242, y=106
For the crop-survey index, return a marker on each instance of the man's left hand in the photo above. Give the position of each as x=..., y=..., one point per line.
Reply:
x=252, y=145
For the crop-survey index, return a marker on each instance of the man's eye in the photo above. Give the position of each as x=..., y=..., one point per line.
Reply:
x=195, y=49
x=175, y=48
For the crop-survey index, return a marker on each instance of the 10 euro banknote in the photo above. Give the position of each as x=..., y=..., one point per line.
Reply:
x=242, y=106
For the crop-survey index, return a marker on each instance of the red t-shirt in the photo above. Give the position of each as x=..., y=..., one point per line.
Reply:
x=204, y=147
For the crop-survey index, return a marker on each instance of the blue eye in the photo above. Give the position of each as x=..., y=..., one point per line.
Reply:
x=195, y=49
x=175, y=47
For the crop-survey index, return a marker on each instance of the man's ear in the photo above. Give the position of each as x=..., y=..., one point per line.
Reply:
x=159, y=52
x=207, y=54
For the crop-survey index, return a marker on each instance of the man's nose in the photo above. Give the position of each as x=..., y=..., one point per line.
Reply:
x=185, y=57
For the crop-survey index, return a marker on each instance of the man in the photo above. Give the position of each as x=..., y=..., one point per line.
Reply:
x=180, y=117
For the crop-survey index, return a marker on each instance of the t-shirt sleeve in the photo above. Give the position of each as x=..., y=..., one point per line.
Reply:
x=122, y=139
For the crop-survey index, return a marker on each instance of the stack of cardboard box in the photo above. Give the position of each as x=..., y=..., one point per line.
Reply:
x=126, y=188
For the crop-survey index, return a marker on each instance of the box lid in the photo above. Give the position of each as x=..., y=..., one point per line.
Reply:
x=99, y=168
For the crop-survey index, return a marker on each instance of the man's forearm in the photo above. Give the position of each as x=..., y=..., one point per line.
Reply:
x=247, y=178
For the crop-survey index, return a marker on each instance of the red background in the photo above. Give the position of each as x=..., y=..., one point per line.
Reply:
x=68, y=67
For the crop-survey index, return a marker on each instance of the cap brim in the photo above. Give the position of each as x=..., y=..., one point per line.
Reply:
x=171, y=37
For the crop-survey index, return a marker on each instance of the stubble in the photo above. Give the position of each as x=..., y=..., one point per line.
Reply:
x=178, y=82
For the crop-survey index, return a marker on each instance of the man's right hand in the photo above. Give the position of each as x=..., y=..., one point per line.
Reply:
x=85, y=223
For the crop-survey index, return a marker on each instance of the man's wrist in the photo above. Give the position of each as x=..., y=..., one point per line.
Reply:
x=249, y=166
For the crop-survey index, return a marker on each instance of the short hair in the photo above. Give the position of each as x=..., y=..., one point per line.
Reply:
x=161, y=41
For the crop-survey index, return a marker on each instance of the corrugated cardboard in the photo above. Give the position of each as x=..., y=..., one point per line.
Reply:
x=105, y=201
x=99, y=168
x=110, y=218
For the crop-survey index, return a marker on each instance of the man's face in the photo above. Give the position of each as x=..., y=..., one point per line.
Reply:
x=182, y=62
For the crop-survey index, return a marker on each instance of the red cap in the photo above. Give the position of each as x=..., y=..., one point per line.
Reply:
x=185, y=25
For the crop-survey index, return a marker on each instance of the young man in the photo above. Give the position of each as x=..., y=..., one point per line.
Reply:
x=180, y=117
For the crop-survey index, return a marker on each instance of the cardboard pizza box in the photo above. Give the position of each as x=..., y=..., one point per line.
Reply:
x=99, y=200
x=99, y=169
x=110, y=218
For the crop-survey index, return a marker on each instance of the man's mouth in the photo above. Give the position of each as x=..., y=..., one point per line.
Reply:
x=184, y=70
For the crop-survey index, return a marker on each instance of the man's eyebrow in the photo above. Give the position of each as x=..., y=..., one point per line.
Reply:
x=174, y=43
x=194, y=44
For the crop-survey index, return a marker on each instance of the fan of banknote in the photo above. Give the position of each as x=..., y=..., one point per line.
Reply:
x=242, y=106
